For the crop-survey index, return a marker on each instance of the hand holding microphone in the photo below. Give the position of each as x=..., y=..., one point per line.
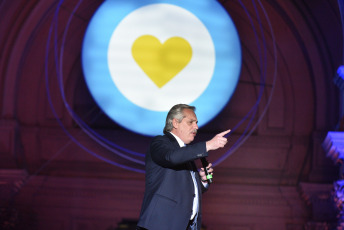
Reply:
x=208, y=171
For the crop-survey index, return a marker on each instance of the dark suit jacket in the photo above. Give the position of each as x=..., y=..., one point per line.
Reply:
x=168, y=198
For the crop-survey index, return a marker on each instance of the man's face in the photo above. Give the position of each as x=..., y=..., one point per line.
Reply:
x=186, y=130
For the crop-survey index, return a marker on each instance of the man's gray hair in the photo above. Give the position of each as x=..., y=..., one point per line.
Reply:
x=176, y=112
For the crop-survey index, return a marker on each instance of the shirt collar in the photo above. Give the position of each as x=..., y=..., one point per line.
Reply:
x=180, y=142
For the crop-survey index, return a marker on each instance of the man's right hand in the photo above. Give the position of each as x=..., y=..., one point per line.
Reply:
x=219, y=141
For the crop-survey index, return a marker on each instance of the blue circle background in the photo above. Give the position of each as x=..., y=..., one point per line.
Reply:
x=148, y=122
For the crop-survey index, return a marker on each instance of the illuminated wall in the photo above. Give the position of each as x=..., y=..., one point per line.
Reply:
x=87, y=173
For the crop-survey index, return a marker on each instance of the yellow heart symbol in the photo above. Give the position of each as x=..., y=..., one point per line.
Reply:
x=161, y=62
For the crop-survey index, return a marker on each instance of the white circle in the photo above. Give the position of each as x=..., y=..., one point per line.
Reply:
x=162, y=21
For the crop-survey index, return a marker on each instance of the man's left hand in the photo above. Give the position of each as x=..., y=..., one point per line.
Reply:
x=202, y=173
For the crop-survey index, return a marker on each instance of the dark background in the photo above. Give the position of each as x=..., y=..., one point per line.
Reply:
x=278, y=177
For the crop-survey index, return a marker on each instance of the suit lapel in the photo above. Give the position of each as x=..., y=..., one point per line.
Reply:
x=193, y=167
x=172, y=139
x=189, y=165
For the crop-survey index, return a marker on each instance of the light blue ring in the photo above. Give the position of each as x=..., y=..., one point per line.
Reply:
x=133, y=117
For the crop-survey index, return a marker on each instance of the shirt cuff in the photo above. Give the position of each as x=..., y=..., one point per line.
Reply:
x=205, y=184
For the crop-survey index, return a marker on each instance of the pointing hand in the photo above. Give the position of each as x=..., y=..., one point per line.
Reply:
x=219, y=141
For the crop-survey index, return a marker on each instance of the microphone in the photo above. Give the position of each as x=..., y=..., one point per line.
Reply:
x=205, y=164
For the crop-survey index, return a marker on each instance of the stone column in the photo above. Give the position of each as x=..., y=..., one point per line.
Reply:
x=334, y=147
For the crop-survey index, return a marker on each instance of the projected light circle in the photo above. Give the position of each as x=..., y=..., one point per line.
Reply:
x=160, y=64
x=142, y=57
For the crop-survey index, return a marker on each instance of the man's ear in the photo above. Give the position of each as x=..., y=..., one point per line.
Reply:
x=175, y=123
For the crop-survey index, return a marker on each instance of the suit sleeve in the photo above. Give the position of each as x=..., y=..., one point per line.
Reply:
x=164, y=153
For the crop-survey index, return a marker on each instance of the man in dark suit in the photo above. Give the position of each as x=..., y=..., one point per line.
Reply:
x=172, y=199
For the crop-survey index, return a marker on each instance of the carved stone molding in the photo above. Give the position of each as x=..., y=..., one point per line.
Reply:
x=11, y=180
x=319, y=198
x=8, y=143
x=334, y=146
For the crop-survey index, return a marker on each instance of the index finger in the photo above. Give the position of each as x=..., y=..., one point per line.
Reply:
x=224, y=133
